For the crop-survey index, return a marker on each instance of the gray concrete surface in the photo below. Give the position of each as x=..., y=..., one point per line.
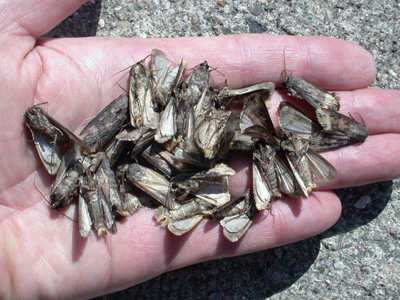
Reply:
x=360, y=256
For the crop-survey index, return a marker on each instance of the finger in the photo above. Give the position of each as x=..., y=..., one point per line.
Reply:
x=244, y=59
x=369, y=106
x=142, y=249
x=375, y=160
x=379, y=109
x=35, y=17
x=22, y=21
x=290, y=221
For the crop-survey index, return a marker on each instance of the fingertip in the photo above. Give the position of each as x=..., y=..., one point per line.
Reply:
x=335, y=64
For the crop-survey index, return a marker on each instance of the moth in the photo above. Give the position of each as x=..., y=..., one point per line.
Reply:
x=225, y=96
x=254, y=113
x=271, y=177
x=124, y=206
x=167, y=127
x=142, y=108
x=209, y=133
x=65, y=187
x=152, y=183
x=193, y=87
x=98, y=208
x=211, y=186
x=342, y=125
x=164, y=84
x=163, y=78
x=100, y=130
x=164, y=161
x=237, y=217
x=336, y=131
x=303, y=90
x=50, y=138
x=184, y=218
x=306, y=164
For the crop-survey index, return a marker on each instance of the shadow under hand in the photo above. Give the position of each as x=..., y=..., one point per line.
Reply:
x=253, y=276
x=82, y=23
x=353, y=217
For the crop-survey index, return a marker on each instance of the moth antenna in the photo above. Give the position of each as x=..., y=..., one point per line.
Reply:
x=362, y=119
x=284, y=73
x=24, y=136
x=122, y=88
x=123, y=70
x=147, y=56
x=40, y=192
x=87, y=120
x=43, y=103
x=216, y=69
x=269, y=207
x=48, y=201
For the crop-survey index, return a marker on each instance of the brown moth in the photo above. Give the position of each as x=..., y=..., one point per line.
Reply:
x=164, y=78
x=211, y=186
x=124, y=206
x=306, y=164
x=237, y=217
x=209, y=133
x=271, y=177
x=342, y=125
x=303, y=90
x=167, y=127
x=152, y=183
x=106, y=124
x=142, y=108
x=50, y=137
x=184, y=218
x=225, y=95
x=337, y=130
x=99, y=209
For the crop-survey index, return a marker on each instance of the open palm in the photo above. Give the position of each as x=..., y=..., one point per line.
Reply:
x=41, y=252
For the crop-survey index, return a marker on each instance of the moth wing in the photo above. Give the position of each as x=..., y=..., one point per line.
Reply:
x=109, y=185
x=320, y=167
x=221, y=170
x=48, y=150
x=294, y=121
x=255, y=113
x=167, y=127
x=149, y=181
x=234, y=227
x=337, y=123
x=262, y=192
x=73, y=139
x=264, y=88
x=215, y=190
x=287, y=182
x=106, y=123
x=85, y=222
x=182, y=226
x=109, y=221
x=160, y=66
x=325, y=140
x=168, y=83
x=315, y=96
x=296, y=173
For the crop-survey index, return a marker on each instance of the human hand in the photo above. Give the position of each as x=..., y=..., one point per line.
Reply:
x=42, y=255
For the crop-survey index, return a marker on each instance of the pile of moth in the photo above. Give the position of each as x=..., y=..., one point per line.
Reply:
x=165, y=143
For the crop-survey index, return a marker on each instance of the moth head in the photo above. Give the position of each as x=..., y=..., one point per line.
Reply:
x=32, y=114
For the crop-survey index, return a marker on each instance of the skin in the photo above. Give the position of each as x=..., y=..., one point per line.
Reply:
x=41, y=253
